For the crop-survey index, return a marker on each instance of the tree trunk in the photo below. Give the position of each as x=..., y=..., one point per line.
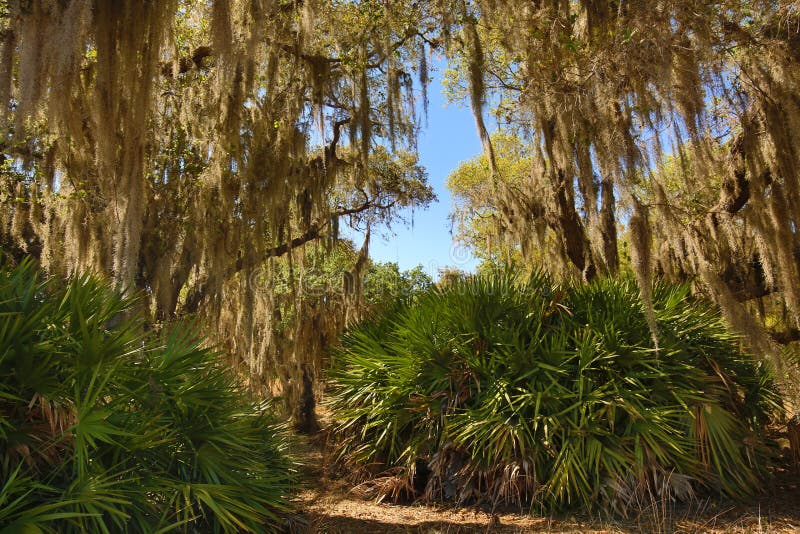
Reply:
x=305, y=415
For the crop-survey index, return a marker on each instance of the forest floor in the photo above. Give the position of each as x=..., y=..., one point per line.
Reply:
x=328, y=504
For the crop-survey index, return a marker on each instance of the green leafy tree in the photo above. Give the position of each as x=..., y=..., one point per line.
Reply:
x=312, y=302
x=483, y=218
x=385, y=284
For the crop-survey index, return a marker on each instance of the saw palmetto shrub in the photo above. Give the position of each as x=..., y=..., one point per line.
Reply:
x=519, y=392
x=104, y=428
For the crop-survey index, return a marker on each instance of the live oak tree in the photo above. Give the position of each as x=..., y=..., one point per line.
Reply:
x=179, y=146
x=630, y=110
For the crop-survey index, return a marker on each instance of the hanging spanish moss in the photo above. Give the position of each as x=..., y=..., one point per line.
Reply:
x=182, y=147
x=672, y=119
x=194, y=149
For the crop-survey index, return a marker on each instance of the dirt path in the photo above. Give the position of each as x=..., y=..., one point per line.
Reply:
x=328, y=505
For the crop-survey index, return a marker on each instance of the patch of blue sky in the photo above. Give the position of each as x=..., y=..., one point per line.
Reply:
x=449, y=139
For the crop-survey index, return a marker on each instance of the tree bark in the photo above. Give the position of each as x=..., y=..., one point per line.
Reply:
x=567, y=222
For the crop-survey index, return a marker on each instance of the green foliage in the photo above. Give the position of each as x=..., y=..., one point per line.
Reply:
x=320, y=286
x=397, y=183
x=493, y=388
x=385, y=284
x=104, y=428
x=478, y=209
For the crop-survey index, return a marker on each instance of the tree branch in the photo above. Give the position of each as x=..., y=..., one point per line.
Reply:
x=330, y=155
x=314, y=231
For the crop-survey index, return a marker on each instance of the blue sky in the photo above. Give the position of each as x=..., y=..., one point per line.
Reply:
x=449, y=139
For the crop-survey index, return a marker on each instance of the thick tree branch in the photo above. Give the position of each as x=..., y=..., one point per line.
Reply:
x=315, y=231
x=330, y=153
x=309, y=235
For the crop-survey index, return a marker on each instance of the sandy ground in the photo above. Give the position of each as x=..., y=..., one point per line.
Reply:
x=329, y=505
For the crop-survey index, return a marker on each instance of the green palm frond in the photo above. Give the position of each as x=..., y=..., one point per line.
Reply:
x=105, y=428
x=560, y=386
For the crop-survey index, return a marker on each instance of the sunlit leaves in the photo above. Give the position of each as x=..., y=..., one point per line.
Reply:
x=521, y=392
x=108, y=429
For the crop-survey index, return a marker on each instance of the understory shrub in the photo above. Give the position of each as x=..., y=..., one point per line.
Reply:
x=104, y=428
x=522, y=392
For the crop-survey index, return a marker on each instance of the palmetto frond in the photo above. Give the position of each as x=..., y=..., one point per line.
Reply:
x=525, y=392
x=105, y=428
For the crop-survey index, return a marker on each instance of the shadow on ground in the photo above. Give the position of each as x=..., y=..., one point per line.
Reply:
x=328, y=506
